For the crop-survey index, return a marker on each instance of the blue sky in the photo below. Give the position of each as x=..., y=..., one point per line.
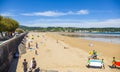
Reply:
x=63, y=13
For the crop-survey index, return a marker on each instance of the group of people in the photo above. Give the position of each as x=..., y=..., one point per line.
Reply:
x=36, y=45
x=29, y=44
x=32, y=67
x=33, y=63
x=30, y=41
x=94, y=56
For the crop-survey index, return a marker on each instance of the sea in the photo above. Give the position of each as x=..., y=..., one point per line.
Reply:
x=112, y=37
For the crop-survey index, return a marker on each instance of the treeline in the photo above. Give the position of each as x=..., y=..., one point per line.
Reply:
x=101, y=29
x=69, y=29
x=8, y=25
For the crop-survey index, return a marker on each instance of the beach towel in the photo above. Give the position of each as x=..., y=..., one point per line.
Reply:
x=96, y=63
x=117, y=63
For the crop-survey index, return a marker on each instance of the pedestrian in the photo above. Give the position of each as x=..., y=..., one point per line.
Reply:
x=33, y=63
x=25, y=65
x=36, y=52
x=36, y=45
x=28, y=44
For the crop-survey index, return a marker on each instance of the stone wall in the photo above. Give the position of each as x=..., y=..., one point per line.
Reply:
x=22, y=47
x=7, y=51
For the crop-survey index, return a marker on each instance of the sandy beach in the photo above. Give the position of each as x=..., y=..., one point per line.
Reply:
x=57, y=53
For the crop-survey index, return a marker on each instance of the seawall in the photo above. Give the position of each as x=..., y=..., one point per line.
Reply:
x=7, y=50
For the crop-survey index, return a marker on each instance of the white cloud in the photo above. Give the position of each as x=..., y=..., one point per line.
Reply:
x=83, y=12
x=46, y=13
x=74, y=23
x=6, y=14
x=55, y=13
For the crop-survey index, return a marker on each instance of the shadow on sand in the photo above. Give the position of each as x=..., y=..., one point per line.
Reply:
x=113, y=67
x=93, y=67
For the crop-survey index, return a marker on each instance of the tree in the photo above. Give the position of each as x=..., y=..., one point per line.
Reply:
x=8, y=25
x=1, y=25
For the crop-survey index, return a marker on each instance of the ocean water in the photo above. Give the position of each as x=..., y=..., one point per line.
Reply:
x=111, y=40
x=112, y=37
x=105, y=33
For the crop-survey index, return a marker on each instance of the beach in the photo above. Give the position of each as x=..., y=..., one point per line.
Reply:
x=57, y=53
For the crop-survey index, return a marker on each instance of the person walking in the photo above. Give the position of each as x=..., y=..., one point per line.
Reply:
x=36, y=52
x=36, y=45
x=33, y=63
x=25, y=65
x=28, y=44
